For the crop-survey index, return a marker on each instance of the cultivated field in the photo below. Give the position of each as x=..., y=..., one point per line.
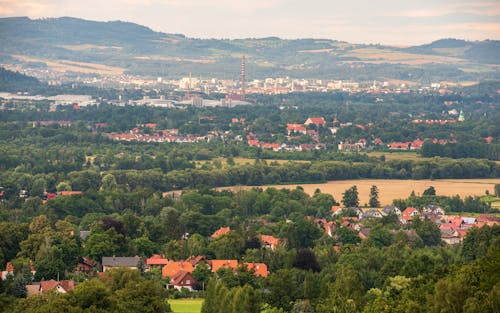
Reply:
x=390, y=189
x=79, y=67
x=186, y=305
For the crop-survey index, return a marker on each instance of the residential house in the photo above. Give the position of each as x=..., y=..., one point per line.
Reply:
x=318, y=121
x=219, y=232
x=111, y=262
x=215, y=265
x=173, y=267
x=259, y=269
x=183, y=279
x=9, y=270
x=391, y=209
x=432, y=209
x=269, y=242
x=156, y=261
x=195, y=260
x=328, y=227
x=372, y=213
x=296, y=128
x=336, y=210
x=61, y=286
x=408, y=214
x=86, y=265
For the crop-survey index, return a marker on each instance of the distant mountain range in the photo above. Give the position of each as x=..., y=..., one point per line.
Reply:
x=82, y=47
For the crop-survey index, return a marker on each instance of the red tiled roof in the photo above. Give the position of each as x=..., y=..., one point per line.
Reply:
x=217, y=264
x=181, y=276
x=260, y=269
x=156, y=259
x=221, y=231
x=315, y=121
x=173, y=267
x=69, y=193
x=47, y=285
x=270, y=240
x=295, y=127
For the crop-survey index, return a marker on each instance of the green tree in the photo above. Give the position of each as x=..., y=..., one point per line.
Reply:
x=350, y=197
x=108, y=182
x=431, y=191
x=228, y=246
x=374, y=202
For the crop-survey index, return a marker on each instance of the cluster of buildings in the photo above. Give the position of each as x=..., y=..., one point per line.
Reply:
x=453, y=227
x=162, y=135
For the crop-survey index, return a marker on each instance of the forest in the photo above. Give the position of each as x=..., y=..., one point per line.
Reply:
x=70, y=194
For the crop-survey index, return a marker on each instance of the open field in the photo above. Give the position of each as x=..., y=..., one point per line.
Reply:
x=379, y=56
x=243, y=161
x=396, y=155
x=79, y=67
x=186, y=305
x=390, y=189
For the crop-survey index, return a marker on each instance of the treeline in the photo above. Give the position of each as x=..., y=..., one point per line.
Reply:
x=469, y=149
x=450, y=204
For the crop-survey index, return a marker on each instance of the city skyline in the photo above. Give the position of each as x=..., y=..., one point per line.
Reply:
x=358, y=21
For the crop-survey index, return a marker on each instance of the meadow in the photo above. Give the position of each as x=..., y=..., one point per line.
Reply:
x=186, y=305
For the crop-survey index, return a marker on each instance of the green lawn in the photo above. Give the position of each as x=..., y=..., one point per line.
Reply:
x=186, y=305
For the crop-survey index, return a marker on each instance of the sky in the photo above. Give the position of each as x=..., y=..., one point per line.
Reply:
x=394, y=22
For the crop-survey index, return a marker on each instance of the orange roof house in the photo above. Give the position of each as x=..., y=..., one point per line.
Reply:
x=318, y=121
x=221, y=231
x=269, y=241
x=183, y=279
x=156, y=260
x=173, y=267
x=260, y=269
x=217, y=264
x=62, y=286
x=295, y=128
x=69, y=193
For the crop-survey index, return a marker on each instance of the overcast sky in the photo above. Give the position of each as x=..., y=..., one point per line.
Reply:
x=400, y=22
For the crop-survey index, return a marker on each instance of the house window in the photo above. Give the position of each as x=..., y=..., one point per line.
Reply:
x=188, y=281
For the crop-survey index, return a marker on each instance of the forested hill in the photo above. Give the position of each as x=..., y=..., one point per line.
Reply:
x=137, y=49
x=14, y=81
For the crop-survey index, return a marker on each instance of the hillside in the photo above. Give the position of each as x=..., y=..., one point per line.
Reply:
x=110, y=48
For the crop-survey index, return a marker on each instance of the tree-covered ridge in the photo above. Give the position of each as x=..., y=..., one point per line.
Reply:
x=17, y=82
x=119, y=43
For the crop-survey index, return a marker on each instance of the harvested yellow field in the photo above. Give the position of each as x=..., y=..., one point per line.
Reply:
x=379, y=56
x=90, y=47
x=398, y=189
x=79, y=67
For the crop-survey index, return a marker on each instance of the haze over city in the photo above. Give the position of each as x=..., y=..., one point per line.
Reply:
x=359, y=21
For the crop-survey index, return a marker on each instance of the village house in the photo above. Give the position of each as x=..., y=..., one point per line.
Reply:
x=317, y=121
x=259, y=269
x=269, y=242
x=183, y=279
x=215, y=265
x=86, y=265
x=109, y=263
x=408, y=214
x=173, y=267
x=9, y=270
x=156, y=261
x=391, y=209
x=432, y=209
x=219, y=232
x=372, y=213
x=296, y=128
x=61, y=286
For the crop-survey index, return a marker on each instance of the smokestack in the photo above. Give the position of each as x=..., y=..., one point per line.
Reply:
x=243, y=77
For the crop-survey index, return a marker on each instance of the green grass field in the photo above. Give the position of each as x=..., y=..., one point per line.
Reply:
x=186, y=305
